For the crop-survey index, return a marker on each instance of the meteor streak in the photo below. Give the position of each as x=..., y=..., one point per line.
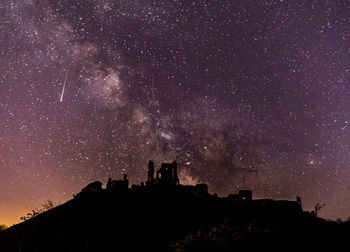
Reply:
x=64, y=86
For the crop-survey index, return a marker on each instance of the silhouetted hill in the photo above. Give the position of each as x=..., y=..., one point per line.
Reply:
x=171, y=217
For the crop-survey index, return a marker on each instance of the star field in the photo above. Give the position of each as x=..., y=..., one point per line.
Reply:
x=243, y=94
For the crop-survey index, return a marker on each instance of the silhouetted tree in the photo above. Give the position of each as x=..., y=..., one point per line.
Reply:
x=46, y=206
x=318, y=207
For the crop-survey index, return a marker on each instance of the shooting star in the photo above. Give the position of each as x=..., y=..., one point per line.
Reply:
x=64, y=86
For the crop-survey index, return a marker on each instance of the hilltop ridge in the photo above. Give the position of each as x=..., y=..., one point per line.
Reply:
x=163, y=215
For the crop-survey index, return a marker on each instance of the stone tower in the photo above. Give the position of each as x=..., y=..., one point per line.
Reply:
x=150, y=173
x=174, y=179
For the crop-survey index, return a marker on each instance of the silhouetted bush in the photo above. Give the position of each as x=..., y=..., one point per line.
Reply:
x=3, y=227
x=222, y=237
x=30, y=215
x=46, y=206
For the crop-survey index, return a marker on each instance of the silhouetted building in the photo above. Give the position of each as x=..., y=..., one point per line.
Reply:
x=150, y=178
x=167, y=174
x=167, y=177
x=200, y=190
x=279, y=205
x=109, y=183
x=242, y=195
x=299, y=200
x=245, y=194
x=118, y=185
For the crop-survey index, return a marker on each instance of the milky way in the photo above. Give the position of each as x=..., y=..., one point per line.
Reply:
x=243, y=94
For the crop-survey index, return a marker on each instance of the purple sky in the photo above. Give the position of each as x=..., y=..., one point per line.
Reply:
x=244, y=94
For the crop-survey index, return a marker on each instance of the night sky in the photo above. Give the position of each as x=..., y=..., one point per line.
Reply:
x=244, y=94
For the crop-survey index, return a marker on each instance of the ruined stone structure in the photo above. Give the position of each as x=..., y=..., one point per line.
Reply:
x=118, y=185
x=242, y=195
x=166, y=175
x=167, y=179
x=150, y=178
x=246, y=194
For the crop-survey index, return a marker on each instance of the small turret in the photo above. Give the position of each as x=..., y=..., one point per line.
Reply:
x=174, y=178
x=126, y=181
x=109, y=183
x=150, y=178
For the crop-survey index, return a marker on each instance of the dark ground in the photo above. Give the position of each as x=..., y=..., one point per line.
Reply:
x=173, y=218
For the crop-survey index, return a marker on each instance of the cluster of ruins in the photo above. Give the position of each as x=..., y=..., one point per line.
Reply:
x=167, y=177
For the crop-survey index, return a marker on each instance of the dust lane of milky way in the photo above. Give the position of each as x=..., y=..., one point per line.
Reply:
x=243, y=94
